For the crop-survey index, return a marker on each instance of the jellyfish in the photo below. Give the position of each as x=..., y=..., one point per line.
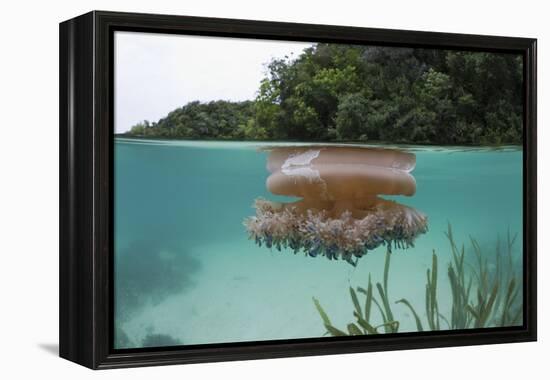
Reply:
x=339, y=213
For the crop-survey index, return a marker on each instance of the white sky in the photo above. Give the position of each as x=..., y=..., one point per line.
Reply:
x=157, y=73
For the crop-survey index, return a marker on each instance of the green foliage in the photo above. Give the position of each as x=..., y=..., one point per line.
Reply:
x=214, y=120
x=355, y=93
x=352, y=117
x=495, y=303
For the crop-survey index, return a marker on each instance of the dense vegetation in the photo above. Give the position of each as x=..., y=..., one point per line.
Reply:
x=358, y=93
x=484, y=294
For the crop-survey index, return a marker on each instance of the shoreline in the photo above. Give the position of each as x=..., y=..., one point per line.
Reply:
x=268, y=143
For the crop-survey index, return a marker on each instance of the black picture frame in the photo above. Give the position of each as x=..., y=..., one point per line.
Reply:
x=86, y=189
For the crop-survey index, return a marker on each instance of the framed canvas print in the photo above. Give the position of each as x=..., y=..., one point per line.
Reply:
x=235, y=189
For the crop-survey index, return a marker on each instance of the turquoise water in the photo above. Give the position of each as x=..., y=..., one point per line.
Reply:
x=186, y=273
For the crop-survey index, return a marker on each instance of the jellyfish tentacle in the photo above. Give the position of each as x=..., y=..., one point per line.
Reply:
x=319, y=233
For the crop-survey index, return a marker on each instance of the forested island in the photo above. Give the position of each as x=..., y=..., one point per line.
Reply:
x=333, y=92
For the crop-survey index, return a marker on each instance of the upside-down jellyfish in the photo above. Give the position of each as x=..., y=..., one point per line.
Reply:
x=340, y=213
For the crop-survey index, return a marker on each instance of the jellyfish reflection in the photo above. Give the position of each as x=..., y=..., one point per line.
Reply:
x=340, y=213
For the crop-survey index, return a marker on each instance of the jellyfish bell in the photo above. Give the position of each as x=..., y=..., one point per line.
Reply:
x=341, y=181
x=304, y=155
x=340, y=213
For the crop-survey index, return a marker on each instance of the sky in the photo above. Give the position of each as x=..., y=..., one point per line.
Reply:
x=157, y=73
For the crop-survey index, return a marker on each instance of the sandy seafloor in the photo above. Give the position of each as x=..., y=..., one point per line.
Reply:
x=179, y=236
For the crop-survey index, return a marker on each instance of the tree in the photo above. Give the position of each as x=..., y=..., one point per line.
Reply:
x=352, y=117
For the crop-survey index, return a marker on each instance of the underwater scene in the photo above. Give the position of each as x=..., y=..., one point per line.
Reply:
x=228, y=241
x=273, y=190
